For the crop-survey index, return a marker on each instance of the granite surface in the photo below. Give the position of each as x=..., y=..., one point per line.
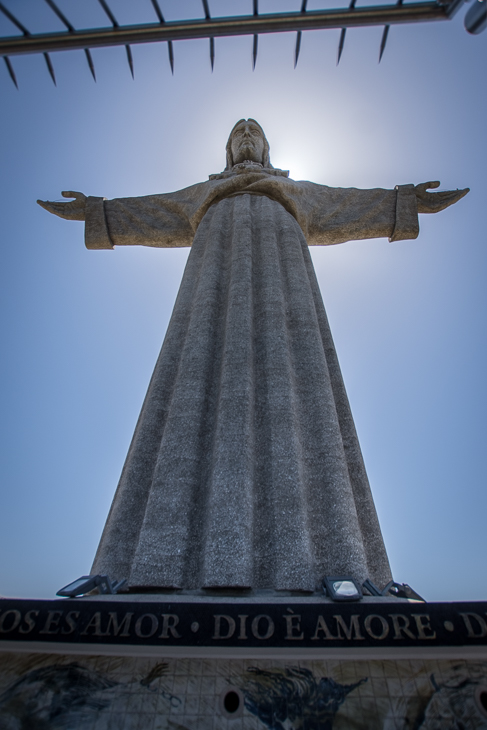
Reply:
x=325, y=215
x=245, y=470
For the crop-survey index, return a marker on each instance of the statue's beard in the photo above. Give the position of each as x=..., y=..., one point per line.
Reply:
x=247, y=152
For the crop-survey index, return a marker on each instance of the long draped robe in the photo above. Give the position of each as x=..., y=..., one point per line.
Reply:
x=245, y=470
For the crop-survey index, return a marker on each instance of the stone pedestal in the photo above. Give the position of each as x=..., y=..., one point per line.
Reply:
x=260, y=661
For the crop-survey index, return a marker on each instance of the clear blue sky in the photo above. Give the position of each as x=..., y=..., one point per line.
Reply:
x=82, y=329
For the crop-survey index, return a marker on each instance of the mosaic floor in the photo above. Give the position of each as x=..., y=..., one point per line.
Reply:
x=52, y=692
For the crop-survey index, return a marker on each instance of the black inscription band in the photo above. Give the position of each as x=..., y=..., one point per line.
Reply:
x=237, y=624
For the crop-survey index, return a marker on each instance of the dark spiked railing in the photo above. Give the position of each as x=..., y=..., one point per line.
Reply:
x=211, y=28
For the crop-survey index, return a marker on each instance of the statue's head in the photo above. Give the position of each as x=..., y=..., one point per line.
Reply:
x=247, y=141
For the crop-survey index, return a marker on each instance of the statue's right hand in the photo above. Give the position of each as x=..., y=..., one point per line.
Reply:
x=72, y=211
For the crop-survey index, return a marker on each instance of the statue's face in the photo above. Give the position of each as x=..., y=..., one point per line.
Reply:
x=247, y=143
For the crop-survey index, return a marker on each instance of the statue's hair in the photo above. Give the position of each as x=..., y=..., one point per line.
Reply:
x=266, y=160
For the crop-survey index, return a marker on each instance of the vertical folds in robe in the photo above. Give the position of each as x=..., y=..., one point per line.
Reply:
x=245, y=469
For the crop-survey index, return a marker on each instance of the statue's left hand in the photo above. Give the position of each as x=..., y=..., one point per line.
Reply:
x=72, y=211
x=434, y=202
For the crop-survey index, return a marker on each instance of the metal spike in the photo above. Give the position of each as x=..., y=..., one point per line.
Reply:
x=11, y=71
x=49, y=67
x=256, y=7
x=13, y=19
x=159, y=14
x=254, y=51
x=212, y=52
x=71, y=29
x=383, y=41
x=206, y=9
x=384, y=36
x=298, y=37
x=341, y=43
x=161, y=20
x=130, y=59
x=60, y=15
x=297, y=49
x=90, y=63
x=109, y=13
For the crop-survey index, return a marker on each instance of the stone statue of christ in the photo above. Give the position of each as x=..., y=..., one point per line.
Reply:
x=245, y=470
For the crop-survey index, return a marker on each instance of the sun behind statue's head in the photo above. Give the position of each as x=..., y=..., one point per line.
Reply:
x=247, y=141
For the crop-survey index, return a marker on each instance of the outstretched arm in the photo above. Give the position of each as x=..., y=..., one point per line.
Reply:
x=434, y=202
x=335, y=215
x=75, y=210
x=152, y=220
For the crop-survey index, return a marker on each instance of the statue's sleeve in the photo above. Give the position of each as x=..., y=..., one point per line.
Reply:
x=335, y=215
x=164, y=221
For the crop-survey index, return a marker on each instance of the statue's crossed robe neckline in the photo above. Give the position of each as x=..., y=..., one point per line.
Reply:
x=245, y=469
